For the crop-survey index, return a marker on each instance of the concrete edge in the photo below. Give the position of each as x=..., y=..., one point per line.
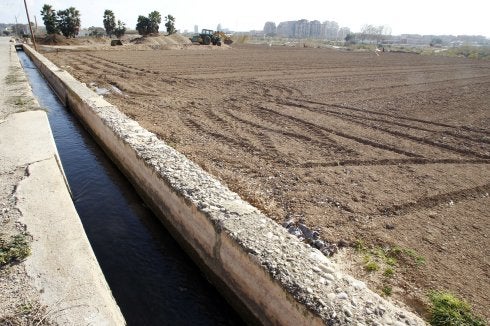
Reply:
x=62, y=265
x=265, y=271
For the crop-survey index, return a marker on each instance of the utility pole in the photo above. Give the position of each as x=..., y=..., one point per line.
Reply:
x=30, y=26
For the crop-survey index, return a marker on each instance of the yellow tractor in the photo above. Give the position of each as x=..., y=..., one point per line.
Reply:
x=225, y=38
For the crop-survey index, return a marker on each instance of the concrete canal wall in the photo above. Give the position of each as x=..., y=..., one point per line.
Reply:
x=267, y=274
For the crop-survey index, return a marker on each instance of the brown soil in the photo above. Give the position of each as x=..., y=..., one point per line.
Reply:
x=389, y=150
x=51, y=43
x=56, y=39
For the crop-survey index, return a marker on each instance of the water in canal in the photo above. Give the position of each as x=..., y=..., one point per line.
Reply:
x=151, y=278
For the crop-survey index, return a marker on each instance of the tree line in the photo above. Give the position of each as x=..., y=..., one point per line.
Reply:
x=370, y=33
x=67, y=22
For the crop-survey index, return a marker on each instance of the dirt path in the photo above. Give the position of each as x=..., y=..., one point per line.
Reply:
x=373, y=152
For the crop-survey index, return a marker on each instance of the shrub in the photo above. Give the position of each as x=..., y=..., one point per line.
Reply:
x=447, y=310
x=120, y=29
x=15, y=250
x=387, y=290
x=371, y=266
x=389, y=272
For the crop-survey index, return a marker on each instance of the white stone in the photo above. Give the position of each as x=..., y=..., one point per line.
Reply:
x=342, y=296
x=327, y=269
x=329, y=277
x=317, y=256
x=358, y=285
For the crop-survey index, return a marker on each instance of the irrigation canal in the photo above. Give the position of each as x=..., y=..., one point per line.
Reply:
x=151, y=278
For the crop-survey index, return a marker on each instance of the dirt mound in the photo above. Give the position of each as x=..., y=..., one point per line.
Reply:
x=174, y=39
x=57, y=39
x=53, y=39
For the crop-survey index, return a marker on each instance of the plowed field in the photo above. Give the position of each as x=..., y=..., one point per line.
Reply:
x=389, y=154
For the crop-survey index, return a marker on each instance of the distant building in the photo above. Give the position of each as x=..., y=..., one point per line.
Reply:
x=330, y=30
x=303, y=28
x=286, y=29
x=270, y=28
x=315, y=29
x=196, y=29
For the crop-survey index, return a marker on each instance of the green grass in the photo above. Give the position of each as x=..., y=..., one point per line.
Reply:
x=389, y=272
x=359, y=246
x=371, y=266
x=396, y=253
x=419, y=260
x=388, y=255
x=387, y=290
x=447, y=310
x=386, y=260
x=17, y=249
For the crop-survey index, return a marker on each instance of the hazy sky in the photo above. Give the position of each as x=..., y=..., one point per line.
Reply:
x=403, y=16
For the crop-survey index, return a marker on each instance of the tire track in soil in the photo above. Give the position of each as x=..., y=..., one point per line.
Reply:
x=365, y=117
x=476, y=140
x=118, y=66
x=448, y=198
x=274, y=90
x=408, y=161
x=228, y=128
x=285, y=123
x=355, y=119
x=344, y=79
x=263, y=138
x=399, y=92
x=321, y=146
x=88, y=66
x=360, y=140
x=240, y=145
x=320, y=71
x=126, y=85
x=430, y=123
x=98, y=67
x=281, y=132
x=423, y=141
x=440, y=124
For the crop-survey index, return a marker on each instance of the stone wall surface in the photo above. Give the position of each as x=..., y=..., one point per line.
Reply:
x=267, y=272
